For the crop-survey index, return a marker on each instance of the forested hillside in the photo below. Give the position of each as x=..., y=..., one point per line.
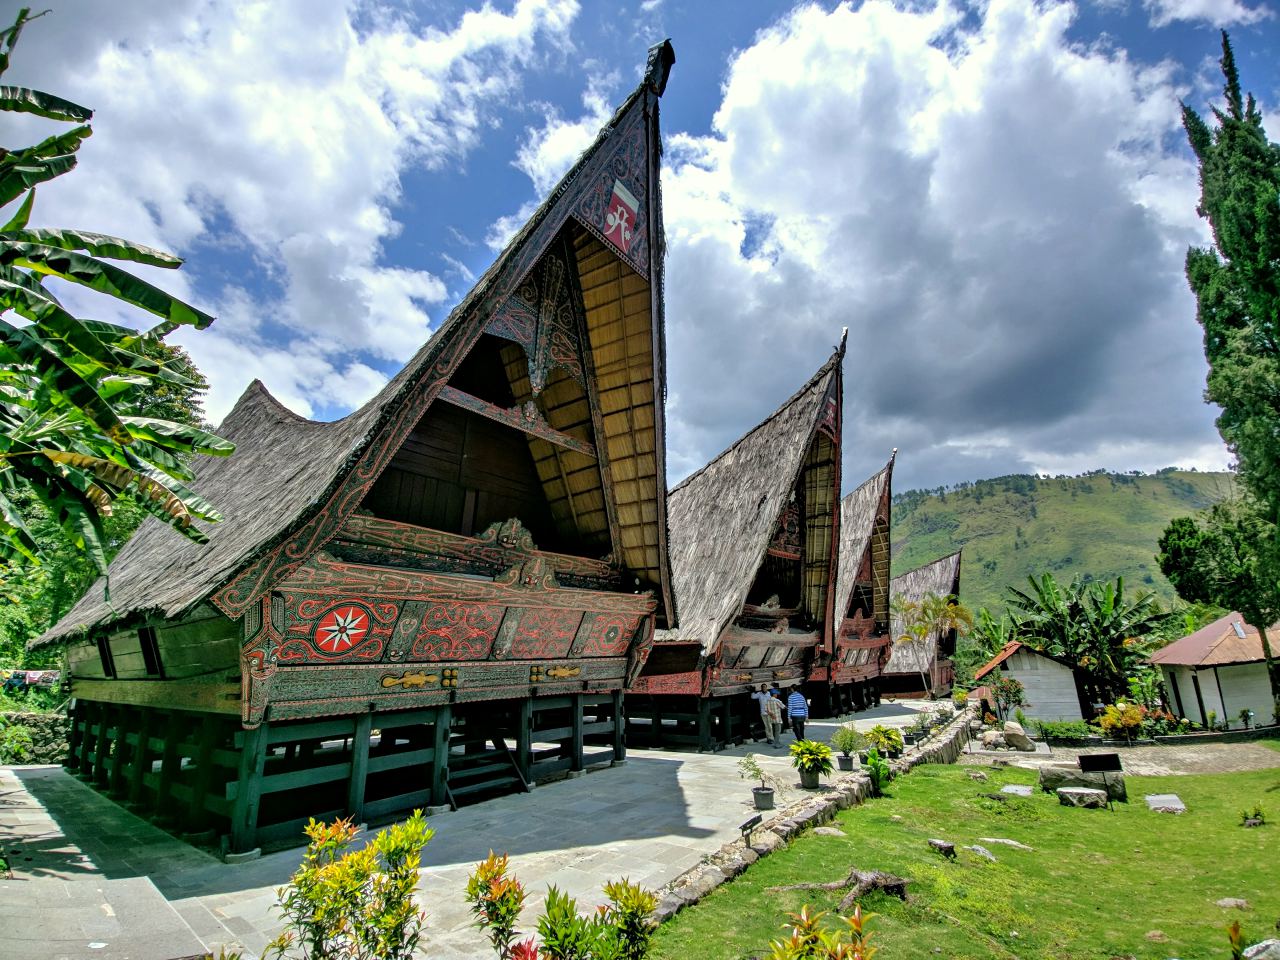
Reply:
x=1100, y=525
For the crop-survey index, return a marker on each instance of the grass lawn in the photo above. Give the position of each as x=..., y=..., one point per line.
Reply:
x=1095, y=886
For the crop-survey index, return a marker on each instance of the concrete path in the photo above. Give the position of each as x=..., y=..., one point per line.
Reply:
x=649, y=820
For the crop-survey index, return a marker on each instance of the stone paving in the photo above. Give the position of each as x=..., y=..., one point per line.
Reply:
x=649, y=819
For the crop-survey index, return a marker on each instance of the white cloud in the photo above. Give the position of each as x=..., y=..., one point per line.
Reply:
x=998, y=214
x=287, y=126
x=1219, y=13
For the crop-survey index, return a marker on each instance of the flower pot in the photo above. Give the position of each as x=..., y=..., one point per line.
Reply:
x=862, y=756
x=763, y=797
x=809, y=779
x=845, y=761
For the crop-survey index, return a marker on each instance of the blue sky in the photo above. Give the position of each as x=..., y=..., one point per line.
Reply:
x=995, y=198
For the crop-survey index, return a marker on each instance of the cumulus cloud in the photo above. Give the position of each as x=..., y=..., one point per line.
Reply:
x=1219, y=13
x=282, y=128
x=997, y=213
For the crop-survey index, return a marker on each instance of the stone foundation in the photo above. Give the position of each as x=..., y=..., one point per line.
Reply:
x=48, y=735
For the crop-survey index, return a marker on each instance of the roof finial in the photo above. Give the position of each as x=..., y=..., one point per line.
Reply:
x=661, y=57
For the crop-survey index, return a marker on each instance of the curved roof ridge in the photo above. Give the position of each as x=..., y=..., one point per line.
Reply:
x=831, y=363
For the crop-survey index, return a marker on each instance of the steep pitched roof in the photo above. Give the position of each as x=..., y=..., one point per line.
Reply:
x=722, y=518
x=941, y=578
x=285, y=464
x=857, y=523
x=1227, y=640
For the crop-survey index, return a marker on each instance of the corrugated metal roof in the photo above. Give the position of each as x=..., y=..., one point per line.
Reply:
x=1227, y=640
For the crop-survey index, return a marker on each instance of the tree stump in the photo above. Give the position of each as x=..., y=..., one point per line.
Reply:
x=948, y=850
x=860, y=883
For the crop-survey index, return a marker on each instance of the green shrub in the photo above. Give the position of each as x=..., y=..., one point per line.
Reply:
x=1064, y=729
x=811, y=756
x=885, y=739
x=808, y=941
x=879, y=772
x=15, y=742
x=848, y=740
x=345, y=904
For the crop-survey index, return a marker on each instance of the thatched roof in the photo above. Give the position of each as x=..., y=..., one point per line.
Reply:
x=722, y=518
x=857, y=522
x=284, y=465
x=940, y=578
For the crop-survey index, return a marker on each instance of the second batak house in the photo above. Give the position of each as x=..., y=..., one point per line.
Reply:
x=753, y=553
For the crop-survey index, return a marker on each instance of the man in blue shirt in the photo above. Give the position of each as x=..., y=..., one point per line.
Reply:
x=797, y=712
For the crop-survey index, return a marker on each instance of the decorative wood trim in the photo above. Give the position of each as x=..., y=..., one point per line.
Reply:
x=527, y=418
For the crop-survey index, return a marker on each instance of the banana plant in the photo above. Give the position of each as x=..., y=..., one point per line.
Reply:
x=66, y=382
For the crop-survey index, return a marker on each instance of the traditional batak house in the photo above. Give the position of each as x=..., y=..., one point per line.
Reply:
x=752, y=560
x=438, y=597
x=923, y=668
x=862, y=598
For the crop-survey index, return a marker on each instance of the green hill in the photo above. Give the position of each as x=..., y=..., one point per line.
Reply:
x=1100, y=525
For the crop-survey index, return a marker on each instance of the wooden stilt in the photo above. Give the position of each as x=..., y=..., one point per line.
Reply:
x=102, y=745
x=575, y=745
x=359, y=767
x=440, y=762
x=704, y=724
x=90, y=712
x=124, y=719
x=524, y=738
x=170, y=765
x=619, y=727
x=75, y=736
x=140, y=764
x=244, y=813
x=197, y=816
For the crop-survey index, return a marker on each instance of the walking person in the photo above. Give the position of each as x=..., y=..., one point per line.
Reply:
x=797, y=712
x=773, y=718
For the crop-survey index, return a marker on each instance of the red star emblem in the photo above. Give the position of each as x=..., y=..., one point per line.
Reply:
x=341, y=629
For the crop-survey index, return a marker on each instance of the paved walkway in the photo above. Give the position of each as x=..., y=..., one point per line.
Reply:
x=125, y=889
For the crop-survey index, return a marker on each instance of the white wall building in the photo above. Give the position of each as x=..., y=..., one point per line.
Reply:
x=1219, y=669
x=1049, y=684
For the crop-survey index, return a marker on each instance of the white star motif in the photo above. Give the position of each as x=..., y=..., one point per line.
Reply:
x=340, y=630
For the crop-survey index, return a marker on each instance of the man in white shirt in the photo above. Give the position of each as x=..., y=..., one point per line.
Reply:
x=761, y=697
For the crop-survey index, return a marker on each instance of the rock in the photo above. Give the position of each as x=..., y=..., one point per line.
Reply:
x=828, y=832
x=992, y=739
x=703, y=881
x=1165, y=803
x=1017, y=789
x=895, y=818
x=1008, y=843
x=1252, y=822
x=999, y=763
x=1266, y=950
x=1157, y=936
x=948, y=850
x=669, y=906
x=1052, y=777
x=1085, y=797
x=978, y=775
x=1233, y=903
x=983, y=852
x=765, y=841
x=48, y=735
x=1017, y=738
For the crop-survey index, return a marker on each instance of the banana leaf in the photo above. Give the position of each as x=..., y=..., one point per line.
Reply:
x=18, y=177
x=68, y=507
x=97, y=244
x=178, y=436
x=19, y=219
x=14, y=533
x=23, y=100
x=103, y=277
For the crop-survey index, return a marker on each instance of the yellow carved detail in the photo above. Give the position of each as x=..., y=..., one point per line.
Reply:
x=409, y=679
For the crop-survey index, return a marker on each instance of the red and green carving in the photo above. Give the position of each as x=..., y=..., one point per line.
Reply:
x=456, y=631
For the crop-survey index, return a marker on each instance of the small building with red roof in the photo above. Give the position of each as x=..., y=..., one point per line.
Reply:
x=1048, y=682
x=1219, y=669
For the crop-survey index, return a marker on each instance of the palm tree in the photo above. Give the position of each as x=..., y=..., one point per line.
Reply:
x=926, y=621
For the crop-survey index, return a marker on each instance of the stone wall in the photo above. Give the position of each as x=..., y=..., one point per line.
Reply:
x=814, y=810
x=48, y=735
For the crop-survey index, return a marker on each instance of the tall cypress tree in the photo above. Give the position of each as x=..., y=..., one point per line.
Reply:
x=1237, y=281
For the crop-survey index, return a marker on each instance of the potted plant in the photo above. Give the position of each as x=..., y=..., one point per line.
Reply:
x=878, y=771
x=885, y=739
x=749, y=768
x=848, y=741
x=813, y=759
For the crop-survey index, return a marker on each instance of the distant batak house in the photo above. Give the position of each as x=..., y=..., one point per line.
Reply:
x=862, y=597
x=1049, y=683
x=930, y=657
x=753, y=553
x=443, y=595
x=1219, y=669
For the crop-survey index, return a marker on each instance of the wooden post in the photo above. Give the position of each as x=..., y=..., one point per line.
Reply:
x=728, y=719
x=89, y=711
x=575, y=745
x=440, y=765
x=655, y=725
x=103, y=746
x=244, y=814
x=704, y=724
x=359, y=767
x=524, y=738
x=120, y=746
x=203, y=782
x=619, y=727
x=141, y=764
x=170, y=764
x=75, y=736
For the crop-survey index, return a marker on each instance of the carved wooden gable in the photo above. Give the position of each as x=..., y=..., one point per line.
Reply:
x=542, y=317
